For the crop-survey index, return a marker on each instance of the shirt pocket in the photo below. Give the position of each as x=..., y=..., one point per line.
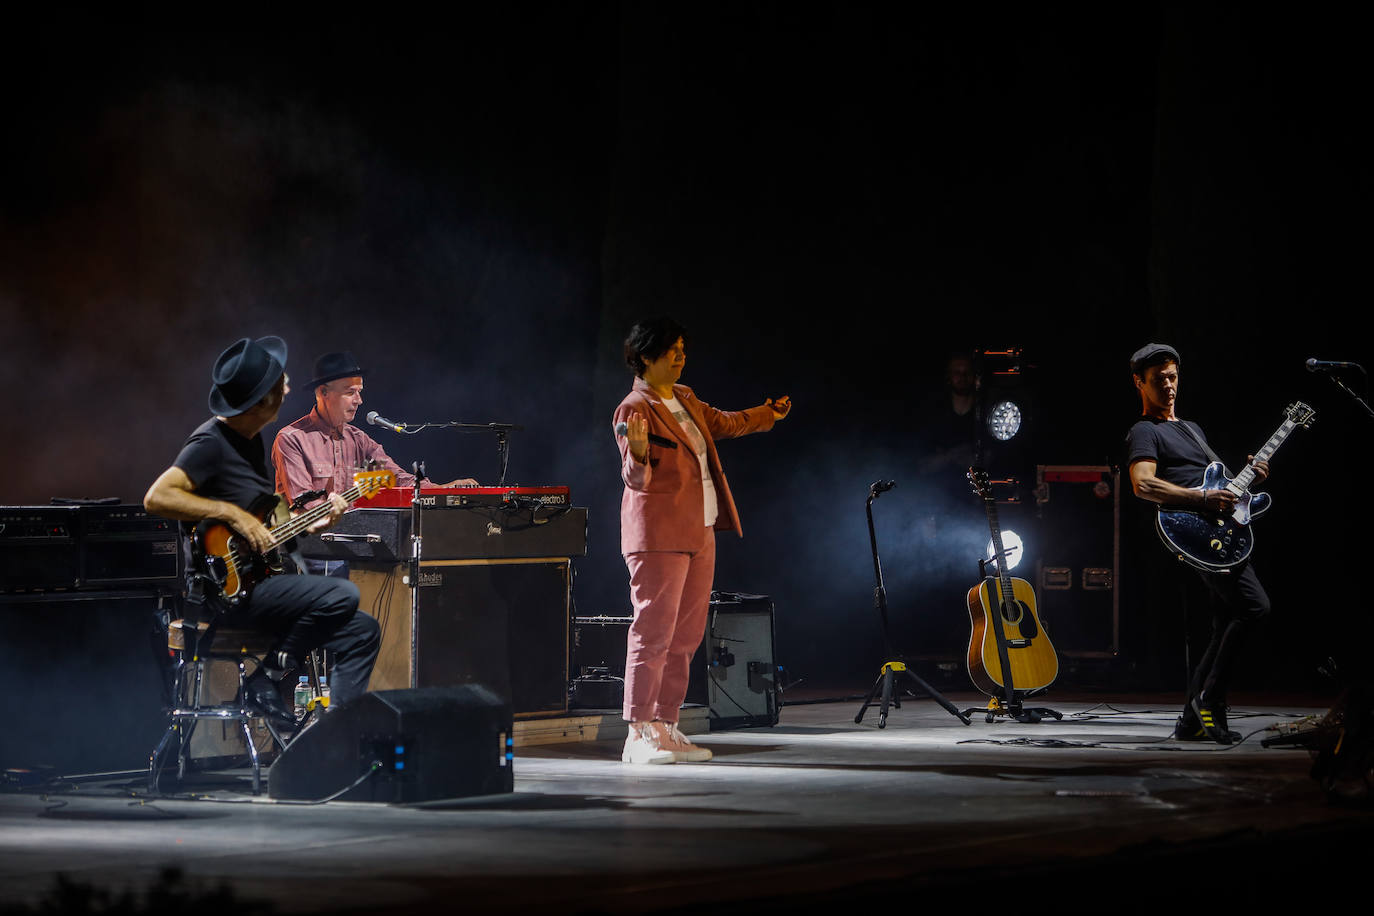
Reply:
x=321, y=471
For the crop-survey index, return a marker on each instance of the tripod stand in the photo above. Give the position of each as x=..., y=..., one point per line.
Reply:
x=886, y=682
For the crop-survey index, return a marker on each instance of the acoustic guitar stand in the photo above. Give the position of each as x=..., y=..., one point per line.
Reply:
x=886, y=682
x=1010, y=704
x=1015, y=709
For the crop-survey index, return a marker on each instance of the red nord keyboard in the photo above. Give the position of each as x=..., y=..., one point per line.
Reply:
x=458, y=497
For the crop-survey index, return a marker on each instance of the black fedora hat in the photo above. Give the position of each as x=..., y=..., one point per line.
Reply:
x=245, y=372
x=333, y=366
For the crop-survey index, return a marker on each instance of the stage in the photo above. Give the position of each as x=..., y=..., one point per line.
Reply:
x=1101, y=811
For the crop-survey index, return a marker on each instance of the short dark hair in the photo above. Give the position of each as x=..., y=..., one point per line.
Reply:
x=649, y=339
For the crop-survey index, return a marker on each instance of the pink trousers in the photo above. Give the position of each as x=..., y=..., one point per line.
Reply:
x=671, y=594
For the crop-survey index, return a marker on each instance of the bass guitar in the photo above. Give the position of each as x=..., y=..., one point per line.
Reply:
x=235, y=567
x=1219, y=542
x=1009, y=652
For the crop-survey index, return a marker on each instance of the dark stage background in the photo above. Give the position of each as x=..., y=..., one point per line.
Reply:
x=831, y=196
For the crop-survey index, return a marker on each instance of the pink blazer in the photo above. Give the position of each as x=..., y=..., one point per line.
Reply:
x=661, y=508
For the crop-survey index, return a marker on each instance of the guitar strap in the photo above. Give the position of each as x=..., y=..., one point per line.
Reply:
x=1211, y=455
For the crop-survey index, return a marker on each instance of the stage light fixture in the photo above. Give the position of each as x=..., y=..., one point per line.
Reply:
x=1011, y=545
x=1004, y=420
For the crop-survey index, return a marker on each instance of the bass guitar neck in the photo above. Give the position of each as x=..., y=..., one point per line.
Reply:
x=235, y=567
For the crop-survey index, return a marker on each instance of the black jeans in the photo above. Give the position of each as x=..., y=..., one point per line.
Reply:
x=318, y=612
x=1238, y=601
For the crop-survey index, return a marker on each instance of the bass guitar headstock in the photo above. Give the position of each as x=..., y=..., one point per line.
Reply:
x=1300, y=413
x=370, y=483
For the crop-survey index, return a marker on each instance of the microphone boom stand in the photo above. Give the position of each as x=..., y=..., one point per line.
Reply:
x=886, y=681
x=416, y=551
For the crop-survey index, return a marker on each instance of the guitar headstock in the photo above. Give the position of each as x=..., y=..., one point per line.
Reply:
x=370, y=483
x=980, y=481
x=1300, y=413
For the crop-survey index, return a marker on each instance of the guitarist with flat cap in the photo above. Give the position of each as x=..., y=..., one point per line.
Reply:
x=1168, y=458
x=219, y=477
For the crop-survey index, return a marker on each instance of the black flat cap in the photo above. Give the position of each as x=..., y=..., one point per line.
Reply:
x=1152, y=354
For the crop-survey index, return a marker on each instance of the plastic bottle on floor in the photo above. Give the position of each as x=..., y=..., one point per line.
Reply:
x=302, y=696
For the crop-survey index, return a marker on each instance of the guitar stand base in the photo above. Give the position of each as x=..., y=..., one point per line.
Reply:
x=1014, y=710
x=886, y=684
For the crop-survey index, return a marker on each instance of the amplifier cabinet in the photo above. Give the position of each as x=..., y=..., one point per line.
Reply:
x=59, y=548
x=127, y=545
x=502, y=623
x=38, y=548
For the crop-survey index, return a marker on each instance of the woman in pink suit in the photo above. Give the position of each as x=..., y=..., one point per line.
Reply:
x=676, y=498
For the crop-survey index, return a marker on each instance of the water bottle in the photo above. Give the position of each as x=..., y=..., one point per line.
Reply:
x=324, y=691
x=303, y=696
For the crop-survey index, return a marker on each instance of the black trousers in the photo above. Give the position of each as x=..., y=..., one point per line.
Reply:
x=1238, y=602
x=318, y=612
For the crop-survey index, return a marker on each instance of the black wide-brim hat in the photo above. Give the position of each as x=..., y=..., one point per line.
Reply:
x=244, y=373
x=333, y=366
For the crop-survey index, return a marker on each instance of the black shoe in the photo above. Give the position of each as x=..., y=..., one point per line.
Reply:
x=1192, y=730
x=1212, y=720
x=264, y=696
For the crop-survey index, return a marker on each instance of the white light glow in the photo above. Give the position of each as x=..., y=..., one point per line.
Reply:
x=1011, y=544
x=1004, y=420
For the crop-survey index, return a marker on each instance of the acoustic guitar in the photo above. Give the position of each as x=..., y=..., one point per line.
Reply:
x=1009, y=652
x=235, y=567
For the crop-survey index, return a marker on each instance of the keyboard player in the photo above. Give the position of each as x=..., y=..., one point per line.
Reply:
x=322, y=449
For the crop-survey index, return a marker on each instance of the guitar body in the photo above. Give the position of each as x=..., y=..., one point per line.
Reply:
x=233, y=565
x=1219, y=543
x=1213, y=542
x=1030, y=654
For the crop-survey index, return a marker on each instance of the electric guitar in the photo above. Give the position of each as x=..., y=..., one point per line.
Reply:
x=1219, y=542
x=235, y=567
x=1009, y=652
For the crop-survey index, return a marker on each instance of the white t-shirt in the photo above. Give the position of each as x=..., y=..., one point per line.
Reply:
x=694, y=436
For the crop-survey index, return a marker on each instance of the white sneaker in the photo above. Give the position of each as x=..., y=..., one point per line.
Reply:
x=683, y=750
x=643, y=745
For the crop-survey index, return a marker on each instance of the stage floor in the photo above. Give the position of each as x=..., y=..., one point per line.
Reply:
x=1101, y=811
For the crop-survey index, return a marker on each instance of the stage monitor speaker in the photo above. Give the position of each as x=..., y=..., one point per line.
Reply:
x=502, y=623
x=735, y=671
x=402, y=746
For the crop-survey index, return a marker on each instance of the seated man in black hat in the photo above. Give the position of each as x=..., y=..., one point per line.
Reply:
x=219, y=476
x=322, y=450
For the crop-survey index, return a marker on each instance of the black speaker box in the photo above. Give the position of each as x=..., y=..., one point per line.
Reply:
x=735, y=671
x=500, y=623
x=81, y=685
x=402, y=746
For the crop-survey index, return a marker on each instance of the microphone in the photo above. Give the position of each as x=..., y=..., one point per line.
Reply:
x=622, y=427
x=882, y=486
x=377, y=419
x=1323, y=365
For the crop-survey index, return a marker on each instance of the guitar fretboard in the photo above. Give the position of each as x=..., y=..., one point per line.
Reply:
x=1241, y=483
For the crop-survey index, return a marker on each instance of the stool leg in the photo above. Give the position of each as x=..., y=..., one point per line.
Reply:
x=154, y=762
x=253, y=756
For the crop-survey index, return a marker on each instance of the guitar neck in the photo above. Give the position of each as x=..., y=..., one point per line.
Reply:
x=1241, y=483
x=300, y=523
x=999, y=552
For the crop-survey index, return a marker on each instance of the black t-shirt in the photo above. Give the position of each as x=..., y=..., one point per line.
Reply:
x=1178, y=456
x=224, y=465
